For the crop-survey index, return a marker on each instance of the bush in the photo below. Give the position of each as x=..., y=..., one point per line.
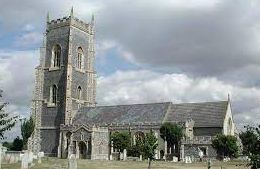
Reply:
x=226, y=146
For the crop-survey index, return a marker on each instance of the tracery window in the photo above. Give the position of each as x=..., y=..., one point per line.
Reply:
x=56, y=56
x=53, y=94
x=79, y=93
x=79, y=59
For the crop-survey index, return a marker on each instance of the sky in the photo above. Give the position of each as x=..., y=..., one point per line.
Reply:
x=146, y=51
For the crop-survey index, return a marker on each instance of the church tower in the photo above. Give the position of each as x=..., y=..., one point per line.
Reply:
x=65, y=79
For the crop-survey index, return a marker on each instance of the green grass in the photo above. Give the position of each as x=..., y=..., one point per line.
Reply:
x=95, y=164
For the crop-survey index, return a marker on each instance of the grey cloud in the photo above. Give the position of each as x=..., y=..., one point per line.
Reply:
x=206, y=40
x=200, y=42
x=17, y=75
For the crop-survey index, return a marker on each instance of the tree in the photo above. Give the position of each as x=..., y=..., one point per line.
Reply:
x=172, y=133
x=149, y=146
x=8, y=145
x=225, y=145
x=249, y=139
x=121, y=140
x=17, y=144
x=251, y=145
x=145, y=146
x=27, y=128
x=6, y=122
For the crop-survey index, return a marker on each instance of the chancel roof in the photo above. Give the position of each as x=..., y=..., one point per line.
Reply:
x=207, y=114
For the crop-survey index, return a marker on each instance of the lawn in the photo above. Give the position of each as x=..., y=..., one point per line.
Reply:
x=50, y=163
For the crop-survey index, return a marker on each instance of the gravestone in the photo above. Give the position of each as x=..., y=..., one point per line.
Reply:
x=25, y=158
x=175, y=159
x=110, y=157
x=30, y=157
x=121, y=156
x=200, y=155
x=40, y=156
x=187, y=159
x=72, y=162
x=141, y=158
x=124, y=154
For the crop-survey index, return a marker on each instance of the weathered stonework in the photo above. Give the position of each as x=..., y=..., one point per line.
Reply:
x=69, y=33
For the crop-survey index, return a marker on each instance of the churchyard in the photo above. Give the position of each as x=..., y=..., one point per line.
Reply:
x=55, y=163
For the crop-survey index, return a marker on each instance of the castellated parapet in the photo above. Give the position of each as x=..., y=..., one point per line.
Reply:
x=70, y=21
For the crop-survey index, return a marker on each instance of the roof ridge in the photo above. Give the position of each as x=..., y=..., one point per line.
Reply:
x=200, y=102
x=132, y=104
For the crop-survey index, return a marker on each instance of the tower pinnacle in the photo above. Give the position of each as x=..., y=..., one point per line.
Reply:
x=48, y=17
x=71, y=12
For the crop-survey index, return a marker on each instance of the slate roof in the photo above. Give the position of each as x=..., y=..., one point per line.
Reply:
x=135, y=113
x=207, y=114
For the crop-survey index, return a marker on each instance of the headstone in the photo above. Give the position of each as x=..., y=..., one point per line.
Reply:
x=141, y=157
x=156, y=156
x=200, y=155
x=121, y=156
x=30, y=157
x=110, y=157
x=175, y=159
x=124, y=155
x=187, y=159
x=40, y=155
x=35, y=157
x=25, y=158
x=72, y=162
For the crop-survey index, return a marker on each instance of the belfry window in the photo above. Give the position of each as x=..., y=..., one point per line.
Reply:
x=79, y=93
x=56, y=56
x=79, y=59
x=53, y=94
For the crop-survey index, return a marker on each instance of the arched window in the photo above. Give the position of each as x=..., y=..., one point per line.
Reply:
x=229, y=126
x=56, y=56
x=53, y=94
x=79, y=59
x=79, y=93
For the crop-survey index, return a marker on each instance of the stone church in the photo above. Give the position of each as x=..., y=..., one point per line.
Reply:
x=68, y=120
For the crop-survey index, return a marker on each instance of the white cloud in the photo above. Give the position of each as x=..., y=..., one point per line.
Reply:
x=142, y=86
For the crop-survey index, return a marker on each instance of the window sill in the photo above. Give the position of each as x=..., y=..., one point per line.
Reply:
x=54, y=68
x=80, y=101
x=51, y=105
x=80, y=70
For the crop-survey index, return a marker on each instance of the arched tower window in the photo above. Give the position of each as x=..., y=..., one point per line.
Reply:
x=56, y=56
x=79, y=59
x=53, y=94
x=79, y=93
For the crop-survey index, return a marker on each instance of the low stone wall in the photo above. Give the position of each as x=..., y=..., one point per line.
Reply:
x=193, y=151
x=11, y=156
